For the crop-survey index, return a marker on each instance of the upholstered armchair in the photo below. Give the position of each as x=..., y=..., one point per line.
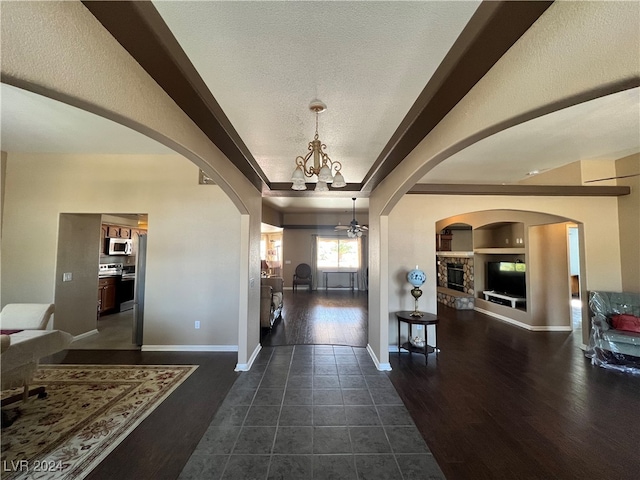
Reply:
x=270, y=300
x=302, y=276
x=26, y=316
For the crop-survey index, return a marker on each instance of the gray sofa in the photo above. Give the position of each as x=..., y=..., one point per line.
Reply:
x=270, y=300
x=609, y=346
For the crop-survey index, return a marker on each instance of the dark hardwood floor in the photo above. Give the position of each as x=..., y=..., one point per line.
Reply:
x=498, y=403
x=336, y=317
x=503, y=402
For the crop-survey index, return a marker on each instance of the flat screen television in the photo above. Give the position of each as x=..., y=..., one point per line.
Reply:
x=507, y=278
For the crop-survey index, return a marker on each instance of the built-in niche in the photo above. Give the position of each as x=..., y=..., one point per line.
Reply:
x=533, y=248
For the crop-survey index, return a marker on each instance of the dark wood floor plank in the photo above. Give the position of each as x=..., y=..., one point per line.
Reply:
x=161, y=445
x=499, y=402
x=334, y=317
x=503, y=402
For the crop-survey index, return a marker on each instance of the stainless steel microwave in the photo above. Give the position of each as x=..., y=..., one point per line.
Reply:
x=118, y=246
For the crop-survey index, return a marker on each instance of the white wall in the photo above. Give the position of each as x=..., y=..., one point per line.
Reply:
x=193, y=259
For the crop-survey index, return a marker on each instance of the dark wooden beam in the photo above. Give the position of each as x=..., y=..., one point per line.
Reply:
x=283, y=189
x=492, y=30
x=140, y=29
x=519, y=190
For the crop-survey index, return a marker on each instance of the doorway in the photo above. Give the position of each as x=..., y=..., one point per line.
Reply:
x=573, y=239
x=86, y=266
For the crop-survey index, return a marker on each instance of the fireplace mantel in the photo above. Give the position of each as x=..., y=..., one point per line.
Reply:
x=455, y=254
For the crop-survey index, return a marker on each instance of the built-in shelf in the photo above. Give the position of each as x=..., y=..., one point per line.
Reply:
x=454, y=254
x=501, y=251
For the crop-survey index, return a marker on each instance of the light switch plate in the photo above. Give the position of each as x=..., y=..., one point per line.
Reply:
x=67, y=276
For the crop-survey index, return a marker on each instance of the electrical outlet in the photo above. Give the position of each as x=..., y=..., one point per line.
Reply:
x=197, y=324
x=67, y=277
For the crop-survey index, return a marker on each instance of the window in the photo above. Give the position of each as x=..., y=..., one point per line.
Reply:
x=338, y=253
x=263, y=247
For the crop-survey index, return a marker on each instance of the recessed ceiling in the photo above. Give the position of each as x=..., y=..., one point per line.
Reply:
x=32, y=123
x=263, y=62
x=606, y=128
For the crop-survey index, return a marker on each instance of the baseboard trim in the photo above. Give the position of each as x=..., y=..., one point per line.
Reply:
x=189, y=348
x=531, y=328
x=85, y=335
x=383, y=367
x=245, y=367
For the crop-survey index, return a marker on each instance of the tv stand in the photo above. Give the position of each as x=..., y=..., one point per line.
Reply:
x=502, y=298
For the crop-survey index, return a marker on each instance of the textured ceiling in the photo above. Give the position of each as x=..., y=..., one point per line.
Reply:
x=264, y=62
x=606, y=128
x=33, y=123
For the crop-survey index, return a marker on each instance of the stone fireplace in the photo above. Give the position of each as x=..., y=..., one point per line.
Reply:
x=455, y=276
x=455, y=281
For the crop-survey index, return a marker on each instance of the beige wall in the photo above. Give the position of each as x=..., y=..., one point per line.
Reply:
x=412, y=227
x=629, y=218
x=87, y=68
x=296, y=245
x=538, y=75
x=548, y=275
x=193, y=257
x=78, y=247
x=570, y=174
x=3, y=171
x=271, y=216
x=297, y=242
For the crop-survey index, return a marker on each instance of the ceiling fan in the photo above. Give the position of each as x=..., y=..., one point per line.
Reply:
x=353, y=229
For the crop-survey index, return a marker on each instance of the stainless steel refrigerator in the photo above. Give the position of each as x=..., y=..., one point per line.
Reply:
x=138, y=297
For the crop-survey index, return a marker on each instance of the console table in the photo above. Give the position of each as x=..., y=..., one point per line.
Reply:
x=426, y=319
x=352, y=277
x=489, y=294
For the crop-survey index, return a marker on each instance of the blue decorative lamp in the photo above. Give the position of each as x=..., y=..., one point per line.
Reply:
x=416, y=278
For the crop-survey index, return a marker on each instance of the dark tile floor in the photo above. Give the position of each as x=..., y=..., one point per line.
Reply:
x=305, y=411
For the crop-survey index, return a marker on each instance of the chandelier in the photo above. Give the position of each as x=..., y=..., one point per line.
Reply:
x=322, y=165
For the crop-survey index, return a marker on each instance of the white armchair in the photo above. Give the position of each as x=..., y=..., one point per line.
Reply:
x=26, y=316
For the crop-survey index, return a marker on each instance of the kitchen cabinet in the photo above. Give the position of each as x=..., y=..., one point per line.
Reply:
x=115, y=231
x=106, y=294
x=104, y=233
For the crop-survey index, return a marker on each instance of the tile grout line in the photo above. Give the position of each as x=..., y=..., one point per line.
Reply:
x=226, y=465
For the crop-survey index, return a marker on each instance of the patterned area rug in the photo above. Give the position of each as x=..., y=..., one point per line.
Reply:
x=88, y=411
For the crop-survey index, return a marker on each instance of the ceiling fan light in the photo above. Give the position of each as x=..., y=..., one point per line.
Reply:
x=325, y=174
x=338, y=181
x=322, y=187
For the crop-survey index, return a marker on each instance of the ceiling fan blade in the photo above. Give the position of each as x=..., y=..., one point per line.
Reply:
x=342, y=227
x=612, y=178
